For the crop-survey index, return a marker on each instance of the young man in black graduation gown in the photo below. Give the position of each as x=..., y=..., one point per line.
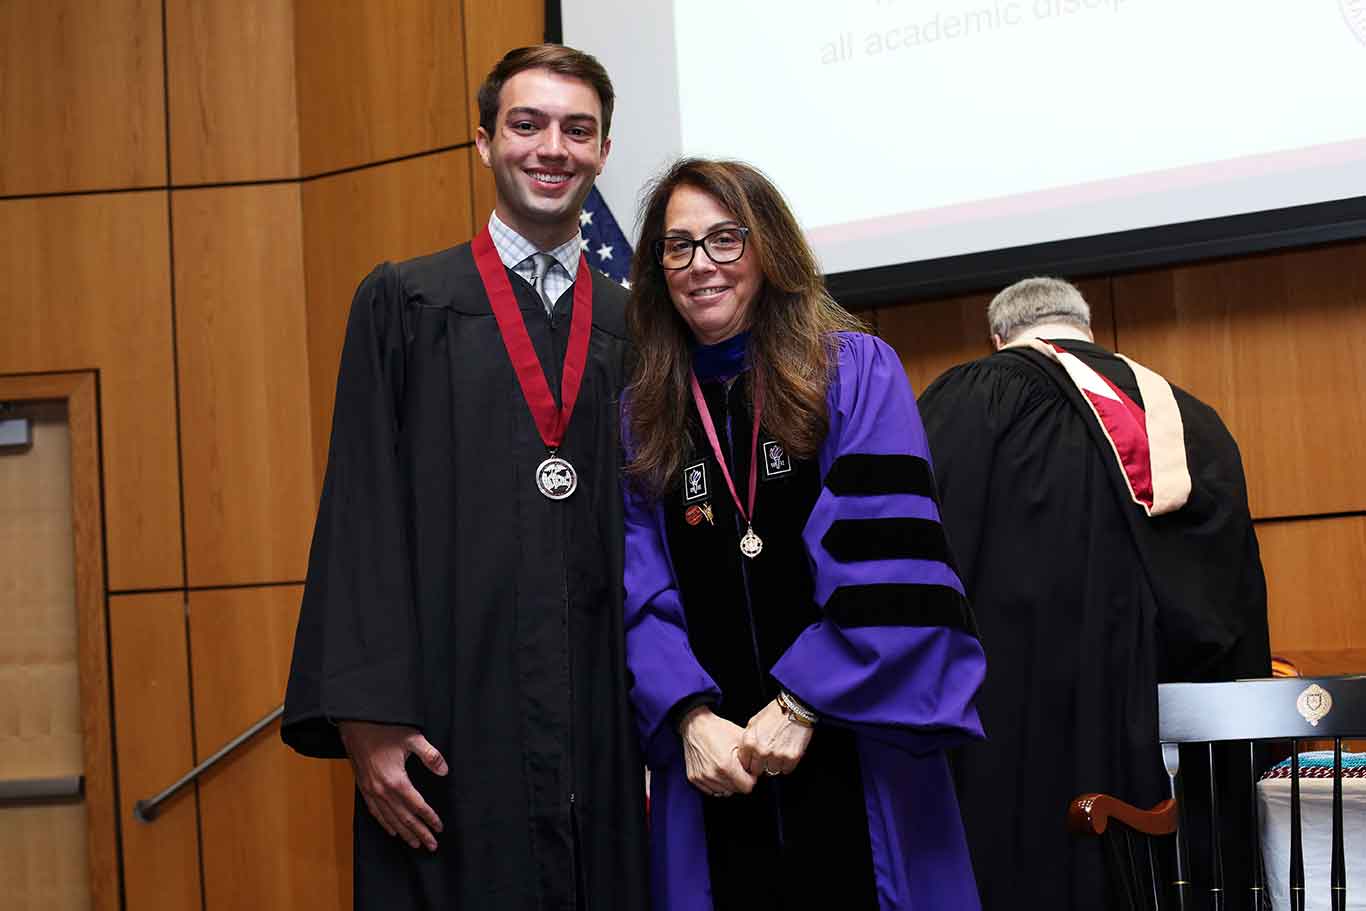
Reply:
x=461, y=631
x=1091, y=581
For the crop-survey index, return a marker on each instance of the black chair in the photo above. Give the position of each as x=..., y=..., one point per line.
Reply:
x=1148, y=852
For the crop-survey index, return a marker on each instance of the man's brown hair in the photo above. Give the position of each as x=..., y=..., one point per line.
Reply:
x=558, y=59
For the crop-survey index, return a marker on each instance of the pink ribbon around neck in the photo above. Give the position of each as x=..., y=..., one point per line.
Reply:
x=710, y=428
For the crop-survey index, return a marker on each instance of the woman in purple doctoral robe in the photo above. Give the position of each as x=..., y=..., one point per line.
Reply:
x=800, y=649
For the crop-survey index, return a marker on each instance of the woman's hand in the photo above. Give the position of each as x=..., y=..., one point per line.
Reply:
x=772, y=742
x=710, y=743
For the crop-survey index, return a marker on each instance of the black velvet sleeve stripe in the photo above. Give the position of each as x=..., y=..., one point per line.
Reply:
x=865, y=475
x=854, y=540
x=900, y=604
x=685, y=705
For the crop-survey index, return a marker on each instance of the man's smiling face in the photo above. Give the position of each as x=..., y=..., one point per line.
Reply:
x=546, y=149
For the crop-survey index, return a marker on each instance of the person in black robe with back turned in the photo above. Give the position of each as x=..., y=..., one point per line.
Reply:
x=461, y=638
x=1100, y=520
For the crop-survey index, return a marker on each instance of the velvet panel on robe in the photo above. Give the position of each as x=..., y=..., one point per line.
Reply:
x=445, y=592
x=891, y=656
x=1084, y=604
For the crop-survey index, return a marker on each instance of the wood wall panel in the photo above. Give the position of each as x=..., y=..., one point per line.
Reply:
x=38, y=868
x=263, y=845
x=1277, y=344
x=233, y=105
x=81, y=103
x=491, y=30
x=378, y=80
x=244, y=392
x=354, y=221
x=87, y=285
x=1315, y=577
x=152, y=713
x=933, y=336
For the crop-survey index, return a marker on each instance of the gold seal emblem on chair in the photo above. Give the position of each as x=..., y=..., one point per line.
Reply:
x=1314, y=703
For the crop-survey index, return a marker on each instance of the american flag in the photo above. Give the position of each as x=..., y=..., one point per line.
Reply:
x=603, y=241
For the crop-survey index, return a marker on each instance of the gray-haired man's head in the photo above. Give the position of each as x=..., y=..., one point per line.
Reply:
x=1036, y=302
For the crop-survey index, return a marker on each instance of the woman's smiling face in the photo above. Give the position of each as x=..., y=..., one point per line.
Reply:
x=713, y=299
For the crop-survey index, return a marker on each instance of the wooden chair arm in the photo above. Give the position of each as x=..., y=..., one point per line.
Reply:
x=1089, y=814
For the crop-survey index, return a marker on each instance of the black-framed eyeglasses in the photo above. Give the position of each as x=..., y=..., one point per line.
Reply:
x=724, y=245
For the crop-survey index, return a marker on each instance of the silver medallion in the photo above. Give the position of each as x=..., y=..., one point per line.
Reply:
x=556, y=478
x=751, y=544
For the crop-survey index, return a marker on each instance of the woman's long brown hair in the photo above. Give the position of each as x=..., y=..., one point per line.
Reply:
x=791, y=320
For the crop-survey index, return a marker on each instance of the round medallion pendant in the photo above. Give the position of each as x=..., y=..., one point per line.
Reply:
x=556, y=478
x=751, y=544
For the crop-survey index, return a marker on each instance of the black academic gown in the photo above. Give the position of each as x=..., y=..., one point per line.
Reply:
x=1084, y=606
x=445, y=592
x=743, y=616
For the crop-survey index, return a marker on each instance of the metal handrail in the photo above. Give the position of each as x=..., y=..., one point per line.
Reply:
x=147, y=810
x=37, y=789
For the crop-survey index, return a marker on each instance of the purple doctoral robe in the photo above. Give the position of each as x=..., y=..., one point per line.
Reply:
x=889, y=657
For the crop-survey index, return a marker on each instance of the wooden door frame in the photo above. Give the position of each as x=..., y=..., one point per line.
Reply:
x=79, y=392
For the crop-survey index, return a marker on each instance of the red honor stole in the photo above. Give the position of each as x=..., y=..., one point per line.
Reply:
x=555, y=477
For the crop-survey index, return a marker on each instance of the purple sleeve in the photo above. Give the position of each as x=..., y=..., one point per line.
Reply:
x=662, y=665
x=896, y=653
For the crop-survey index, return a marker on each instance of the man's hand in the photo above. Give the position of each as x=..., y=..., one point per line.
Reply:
x=709, y=746
x=772, y=742
x=378, y=752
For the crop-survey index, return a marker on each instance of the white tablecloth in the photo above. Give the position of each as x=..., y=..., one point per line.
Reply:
x=1316, y=821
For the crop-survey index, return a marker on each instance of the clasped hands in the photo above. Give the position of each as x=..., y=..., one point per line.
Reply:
x=723, y=758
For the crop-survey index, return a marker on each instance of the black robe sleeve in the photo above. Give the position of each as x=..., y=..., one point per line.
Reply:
x=1207, y=565
x=966, y=410
x=355, y=651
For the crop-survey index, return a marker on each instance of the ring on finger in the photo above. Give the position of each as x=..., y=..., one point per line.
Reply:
x=771, y=771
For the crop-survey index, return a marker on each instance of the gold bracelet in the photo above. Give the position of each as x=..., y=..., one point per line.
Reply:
x=795, y=711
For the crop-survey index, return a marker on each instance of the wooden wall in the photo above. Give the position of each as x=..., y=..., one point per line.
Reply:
x=189, y=193
x=191, y=222
x=1277, y=344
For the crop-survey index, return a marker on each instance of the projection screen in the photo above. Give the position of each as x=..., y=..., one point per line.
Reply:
x=936, y=146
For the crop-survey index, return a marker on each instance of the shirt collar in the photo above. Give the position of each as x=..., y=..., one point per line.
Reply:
x=513, y=248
